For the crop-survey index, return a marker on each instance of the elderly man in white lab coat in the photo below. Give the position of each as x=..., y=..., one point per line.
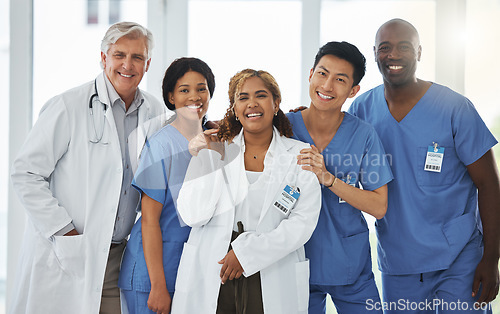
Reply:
x=73, y=177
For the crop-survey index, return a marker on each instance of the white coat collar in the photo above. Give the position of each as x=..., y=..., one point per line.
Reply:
x=102, y=91
x=277, y=143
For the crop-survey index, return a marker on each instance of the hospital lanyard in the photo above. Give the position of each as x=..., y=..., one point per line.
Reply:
x=91, y=112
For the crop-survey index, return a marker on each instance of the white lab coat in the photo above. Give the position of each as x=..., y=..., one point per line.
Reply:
x=61, y=177
x=207, y=201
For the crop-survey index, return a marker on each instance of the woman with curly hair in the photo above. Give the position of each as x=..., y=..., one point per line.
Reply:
x=251, y=208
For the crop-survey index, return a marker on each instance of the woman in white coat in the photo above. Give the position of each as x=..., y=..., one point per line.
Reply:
x=247, y=191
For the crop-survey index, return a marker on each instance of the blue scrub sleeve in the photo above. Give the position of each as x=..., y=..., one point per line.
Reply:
x=353, y=108
x=376, y=168
x=152, y=173
x=472, y=137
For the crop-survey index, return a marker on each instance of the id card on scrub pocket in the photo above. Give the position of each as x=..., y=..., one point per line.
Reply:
x=348, y=181
x=287, y=199
x=434, y=159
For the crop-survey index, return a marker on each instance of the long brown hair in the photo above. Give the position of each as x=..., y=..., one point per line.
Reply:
x=230, y=127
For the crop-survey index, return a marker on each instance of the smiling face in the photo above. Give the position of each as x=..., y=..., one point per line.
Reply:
x=254, y=106
x=330, y=83
x=190, y=96
x=397, y=51
x=125, y=64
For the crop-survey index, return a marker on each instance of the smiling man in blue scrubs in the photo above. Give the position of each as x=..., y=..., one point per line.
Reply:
x=346, y=153
x=444, y=201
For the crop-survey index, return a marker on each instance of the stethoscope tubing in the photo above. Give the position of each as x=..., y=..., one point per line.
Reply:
x=92, y=118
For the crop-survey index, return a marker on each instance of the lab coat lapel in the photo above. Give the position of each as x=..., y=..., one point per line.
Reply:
x=142, y=131
x=281, y=163
x=234, y=168
x=102, y=91
x=104, y=98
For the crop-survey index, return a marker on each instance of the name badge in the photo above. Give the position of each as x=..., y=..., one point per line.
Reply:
x=287, y=199
x=434, y=159
x=348, y=181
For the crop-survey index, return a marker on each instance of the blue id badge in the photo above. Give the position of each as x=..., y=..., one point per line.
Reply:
x=348, y=181
x=434, y=159
x=287, y=199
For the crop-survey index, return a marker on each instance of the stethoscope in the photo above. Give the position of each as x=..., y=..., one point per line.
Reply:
x=98, y=138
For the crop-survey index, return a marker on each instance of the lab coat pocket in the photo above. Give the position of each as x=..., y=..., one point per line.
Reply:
x=70, y=254
x=187, y=268
x=302, y=277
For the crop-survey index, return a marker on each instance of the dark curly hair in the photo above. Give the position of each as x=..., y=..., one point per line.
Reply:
x=229, y=127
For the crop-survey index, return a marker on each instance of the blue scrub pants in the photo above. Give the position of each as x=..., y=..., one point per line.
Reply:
x=443, y=291
x=348, y=299
x=137, y=301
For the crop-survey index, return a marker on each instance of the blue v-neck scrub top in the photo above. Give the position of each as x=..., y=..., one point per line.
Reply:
x=431, y=215
x=164, y=161
x=339, y=247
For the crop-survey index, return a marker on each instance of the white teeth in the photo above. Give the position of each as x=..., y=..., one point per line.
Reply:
x=395, y=67
x=250, y=115
x=194, y=106
x=125, y=75
x=324, y=96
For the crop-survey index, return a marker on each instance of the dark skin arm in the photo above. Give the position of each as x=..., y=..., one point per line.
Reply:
x=484, y=174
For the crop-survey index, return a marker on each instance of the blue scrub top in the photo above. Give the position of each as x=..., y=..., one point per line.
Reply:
x=164, y=161
x=339, y=247
x=431, y=216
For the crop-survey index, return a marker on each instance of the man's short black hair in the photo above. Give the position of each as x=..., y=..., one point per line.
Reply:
x=347, y=52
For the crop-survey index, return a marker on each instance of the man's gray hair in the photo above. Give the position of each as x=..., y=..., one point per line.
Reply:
x=129, y=29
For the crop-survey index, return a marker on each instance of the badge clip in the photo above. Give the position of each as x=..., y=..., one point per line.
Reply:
x=434, y=158
x=287, y=199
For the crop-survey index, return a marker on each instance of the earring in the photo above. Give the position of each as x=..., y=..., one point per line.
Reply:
x=276, y=113
x=236, y=118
